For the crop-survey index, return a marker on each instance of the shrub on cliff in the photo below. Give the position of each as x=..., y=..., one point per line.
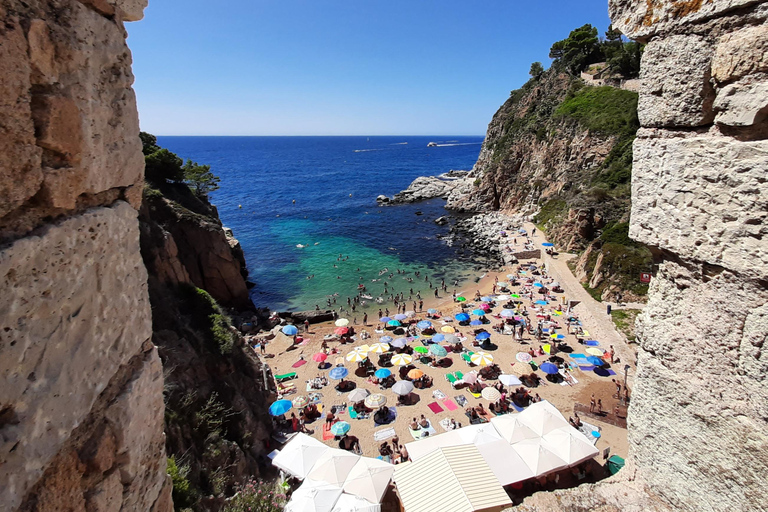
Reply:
x=209, y=318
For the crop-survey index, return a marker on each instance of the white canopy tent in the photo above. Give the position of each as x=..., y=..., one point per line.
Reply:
x=539, y=456
x=350, y=503
x=423, y=447
x=299, y=455
x=369, y=479
x=313, y=496
x=505, y=462
x=479, y=434
x=334, y=466
x=512, y=429
x=571, y=445
x=542, y=417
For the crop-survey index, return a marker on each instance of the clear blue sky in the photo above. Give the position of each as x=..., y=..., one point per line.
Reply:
x=340, y=67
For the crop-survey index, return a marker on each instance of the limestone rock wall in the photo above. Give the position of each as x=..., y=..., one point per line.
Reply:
x=81, y=406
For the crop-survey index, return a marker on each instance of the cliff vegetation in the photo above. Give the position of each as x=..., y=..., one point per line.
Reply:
x=561, y=150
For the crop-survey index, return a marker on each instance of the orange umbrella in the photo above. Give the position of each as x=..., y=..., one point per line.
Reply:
x=415, y=374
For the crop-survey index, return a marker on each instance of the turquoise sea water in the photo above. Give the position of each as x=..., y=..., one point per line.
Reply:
x=348, y=239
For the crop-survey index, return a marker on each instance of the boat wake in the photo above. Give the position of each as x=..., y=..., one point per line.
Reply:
x=366, y=150
x=459, y=144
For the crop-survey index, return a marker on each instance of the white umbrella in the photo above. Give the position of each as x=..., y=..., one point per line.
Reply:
x=350, y=503
x=401, y=359
x=491, y=394
x=470, y=378
x=313, y=496
x=538, y=456
x=570, y=445
x=369, y=479
x=375, y=400
x=481, y=358
x=543, y=417
x=299, y=455
x=357, y=355
x=358, y=394
x=509, y=380
x=379, y=348
x=511, y=429
x=502, y=298
x=479, y=434
x=409, y=314
x=334, y=466
x=402, y=387
x=342, y=322
x=452, y=339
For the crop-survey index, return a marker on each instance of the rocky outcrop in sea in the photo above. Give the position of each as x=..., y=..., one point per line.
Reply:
x=431, y=187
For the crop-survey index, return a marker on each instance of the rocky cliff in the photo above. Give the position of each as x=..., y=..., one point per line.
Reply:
x=698, y=423
x=561, y=150
x=81, y=407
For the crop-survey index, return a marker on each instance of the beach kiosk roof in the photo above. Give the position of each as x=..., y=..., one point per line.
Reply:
x=455, y=478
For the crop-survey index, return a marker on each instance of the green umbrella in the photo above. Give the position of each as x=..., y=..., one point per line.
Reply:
x=421, y=350
x=437, y=350
x=460, y=299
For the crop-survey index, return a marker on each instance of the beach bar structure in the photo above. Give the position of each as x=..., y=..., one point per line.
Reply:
x=451, y=479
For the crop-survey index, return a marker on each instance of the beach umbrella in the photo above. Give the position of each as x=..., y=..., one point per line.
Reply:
x=476, y=322
x=401, y=317
x=356, y=356
x=437, y=350
x=341, y=322
x=547, y=244
x=447, y=329
x=538, y=285
x=515, y=296
x=415, y=374
x=548, y=368
x=511, y=276
x=280, y=407
x=461, y=299
x=462, y=317
x=379, y=348
x=382, y=373
x=369, y=479
x=301, y=401
x=483, y=336
x=421, y=350
x=546, y=348
x=358, y=395
x=595, y=351
x=541, y=302
x=375, y=400
x=481, y=358
x=470, y=378
x=394, y=323
x=338, y=373
x=602, y=372
x=431, y=311
x=509, y=380
x=290, y=330
x=478, y=312
x=385, y=339
x=452, y=339
x=401, y=359
x=502, y=284
x=333, y=466
x=486, y=299
x=384, y=319
x=402, y=387
x=340, y=428
x=409, y=314
x=299, y=455
x=507, y=313
x=522, y=231
x=399, y=343
x=438, y=338
x=424, y=324
x=491, y=394
x=341, y=331
x=555, y=284
x=595, y=361
x=320, y=357
x=523, y=357
x=314, y=496
x=363, y=348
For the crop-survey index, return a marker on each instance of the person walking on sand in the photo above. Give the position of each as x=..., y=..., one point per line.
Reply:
x=365, y=319
x=306, y=325
x=612, y=353
x=592, y=403
x=599, y=406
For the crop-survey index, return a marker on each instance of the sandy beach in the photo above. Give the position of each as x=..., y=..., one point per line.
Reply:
x=563, y=395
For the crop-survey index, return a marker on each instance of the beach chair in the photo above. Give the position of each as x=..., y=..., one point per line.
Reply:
x=459, y=375
x=285, y=376
x=451, y=378
x=286, y=389
x=467, y=357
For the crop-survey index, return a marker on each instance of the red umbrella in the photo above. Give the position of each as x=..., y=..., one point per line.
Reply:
x=341, y=331
x=319, y=357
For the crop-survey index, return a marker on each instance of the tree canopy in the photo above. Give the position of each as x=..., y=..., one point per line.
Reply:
x=536, y=70
x=200, y=178
x=582, y=47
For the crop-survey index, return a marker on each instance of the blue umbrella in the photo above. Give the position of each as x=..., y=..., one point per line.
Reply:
x=548, y=368
x=382, y=373
x=595, y=361
x=601, y=372
x=507, y=313
x=438, y=337
x=541, y=302
x=338, y=373
x=290, y=330
x=394, y=323
x=475, y=322
x=386, y=339
x=431, y=311
x=547, y=244
x=486, y=299
x=384, y=319
x=399, y=343
x=462, y=317
x=538, y=285
x=478, y=312
x=424, y=324
x=482, y=336
x=280, y=407
x=340, y=428
x=401, y=317
x=592, y=343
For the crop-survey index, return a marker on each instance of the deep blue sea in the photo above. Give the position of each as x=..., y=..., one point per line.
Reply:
x=334, y=182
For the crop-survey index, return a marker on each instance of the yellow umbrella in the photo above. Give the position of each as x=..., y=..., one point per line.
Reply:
x=558, y=313
x=356, y=356
x=546, y=348
x=379, y=348
x=363, y=348
x=595, y=351
x=401, y=359
x=342, y=322
x=448, y=329
x=481, y=358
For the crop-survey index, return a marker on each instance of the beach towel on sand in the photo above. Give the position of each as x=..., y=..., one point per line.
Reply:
x=435, y=407
x=423, y=432
x=327, y=432
x=450, y=404
x=386, y=433
x=446, y=424
x=461, y=400
x=438, y=395
x=298, y=363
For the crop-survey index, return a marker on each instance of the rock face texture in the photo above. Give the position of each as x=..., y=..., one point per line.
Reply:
x=81, y=405
x=698, y=420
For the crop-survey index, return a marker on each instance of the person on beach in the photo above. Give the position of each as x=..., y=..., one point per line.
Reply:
x=592, y=403
x=306, y=325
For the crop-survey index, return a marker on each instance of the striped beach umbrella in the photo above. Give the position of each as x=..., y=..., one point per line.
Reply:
x=300, y=402
x=356, y=356
x=379, y=348
x=375, y=400
x=437, y=350
x=481, y=358
x=340, y=428
x=401, y=359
